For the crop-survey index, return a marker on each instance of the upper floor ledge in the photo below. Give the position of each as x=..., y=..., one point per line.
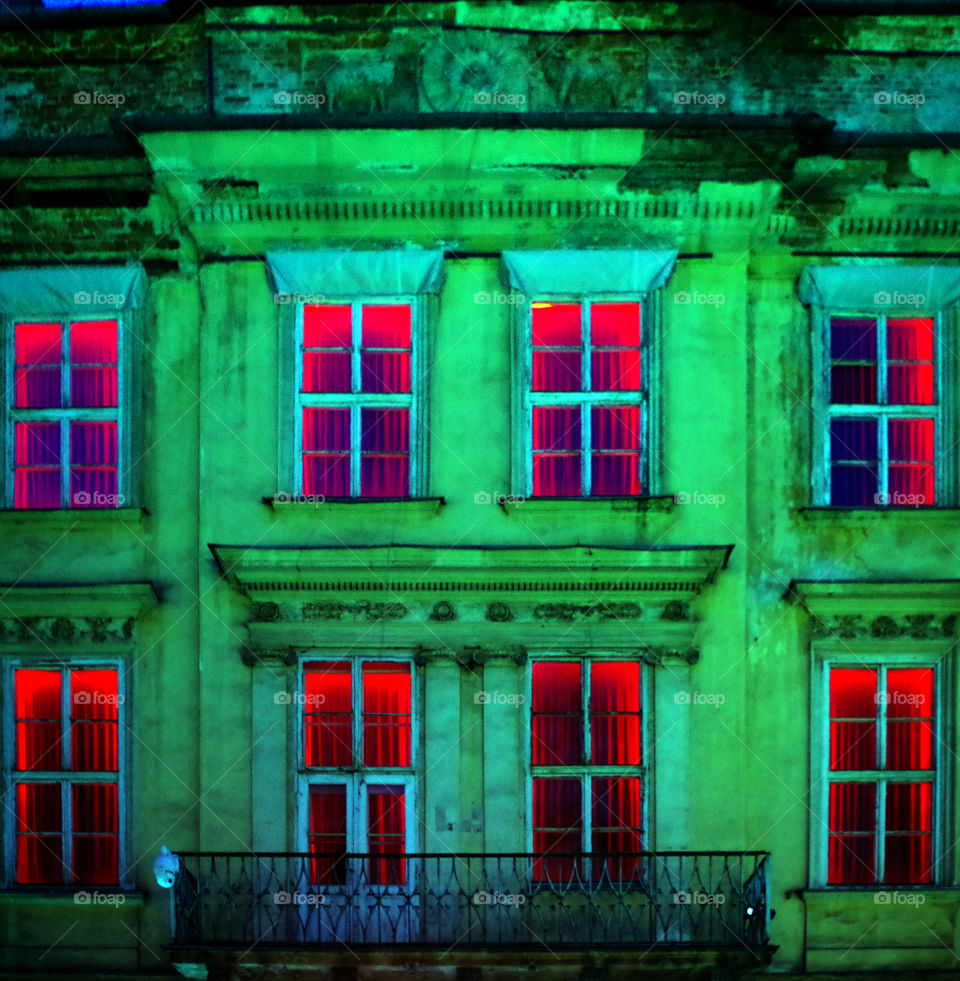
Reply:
x=72, y=519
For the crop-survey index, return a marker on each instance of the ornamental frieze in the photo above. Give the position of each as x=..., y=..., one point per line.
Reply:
x=362, y=610
x=856, y=626
x=51, y=631
x=568, y=612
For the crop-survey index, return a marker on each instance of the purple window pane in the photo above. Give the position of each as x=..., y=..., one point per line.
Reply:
x=853, y=486
x=853, y=339
x=853, y=440
x=384, y=430
x=853, y=384
x=556, y=428
x=556, y=371
x=326, y=371
x=37, y=465
x=326, y=429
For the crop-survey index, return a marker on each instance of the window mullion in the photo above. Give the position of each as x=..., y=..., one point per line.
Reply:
x=586, y=377
x=64, y=420
x=881, y=793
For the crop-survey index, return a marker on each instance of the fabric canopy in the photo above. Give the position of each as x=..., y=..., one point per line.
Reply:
x=590, y=272
x=71, y=290
x=913, y=288
x=343, y=273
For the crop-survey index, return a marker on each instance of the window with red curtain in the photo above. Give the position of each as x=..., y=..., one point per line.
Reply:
x=586, y=757
x=356, y=399
x=65, y=414
x=66, y=771
x=882, y=411
x=882, y=775
x=587, y=399
x=357, y=719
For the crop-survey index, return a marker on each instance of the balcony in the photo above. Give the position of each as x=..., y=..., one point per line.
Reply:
x=515, y=901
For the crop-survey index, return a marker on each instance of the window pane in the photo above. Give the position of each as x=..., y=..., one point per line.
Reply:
x=615, y=713
x=327, y=714
x=556, y=430
x=39, y=833
x=853, y=482
x=93, y=464
x=617, y=826
x=326, y=452
x=556, y=714
x=37, y=369
x=94, y=712
x=386, y=714
x=853, y=355
x=615, y=341
x=385, y=352
x=37, y=463
x=386, y=834
x=852, y=833
x=615, y=463
x=95, y=832
x=911, y=452
x=385, y=452
x=327, y=342
x=38, y=719
x=853, y=698
x=557, y=353
x=910, y=375
x=557, y=827
x=908, y=856
x=328, y=833
x=93, y=363
x=910, y=719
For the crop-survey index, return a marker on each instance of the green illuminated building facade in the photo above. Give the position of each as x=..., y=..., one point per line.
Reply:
x=480, y=490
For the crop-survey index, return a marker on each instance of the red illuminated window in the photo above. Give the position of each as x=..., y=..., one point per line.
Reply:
x=586, y=756
x=882, y=776
x=357, y=400
x=586, y=400
x=66, y=773
x=357, y=720
x=65, y=415
x=883, y=415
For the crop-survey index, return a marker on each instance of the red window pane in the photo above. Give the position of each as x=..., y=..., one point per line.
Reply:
x=327, y=714
x=617, y=827
x=94, y=705
x=327, y=342
x=38, y=719
x=910, y=719
x=386, y=713
x=853, y=712
x=326, y=452
x=93, y=363
x=557, y=445
x=385, y=349
x=95, y=832
x=386, y=835
x=37, y=465
x=615, y=341
x=852, y=836
x=909, y=838
x=615, y=713
x=910, y=373
x=556, y=714
x=385, y=452
x=557, y=828
x=93, y=465
x=911, y=451
x=615, y=463
x=328, y=833
x=557, y=353
x=37, y=371
x=39, y=823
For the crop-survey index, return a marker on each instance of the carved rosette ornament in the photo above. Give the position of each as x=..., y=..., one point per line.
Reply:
x=855, y=626
x=53, y=631
x=479, y=72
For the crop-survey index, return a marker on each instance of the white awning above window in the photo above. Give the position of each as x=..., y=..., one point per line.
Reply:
x=912, y=288
x=342, y=273
x=586, y=272
x=71, y=290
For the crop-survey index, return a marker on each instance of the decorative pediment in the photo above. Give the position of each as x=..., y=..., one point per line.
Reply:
x=471, y=604
x=906, y=612
x=48, y=618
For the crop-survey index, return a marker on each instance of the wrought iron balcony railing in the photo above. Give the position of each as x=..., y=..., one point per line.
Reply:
x=697, y=899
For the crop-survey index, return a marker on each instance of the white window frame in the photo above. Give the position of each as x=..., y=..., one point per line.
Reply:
x=357, y=777
x=881, y=412
x=66, y=778
x=646, y=399
x=119, y=414
x=415, y=400
x=585, y=771
x=823, y=776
